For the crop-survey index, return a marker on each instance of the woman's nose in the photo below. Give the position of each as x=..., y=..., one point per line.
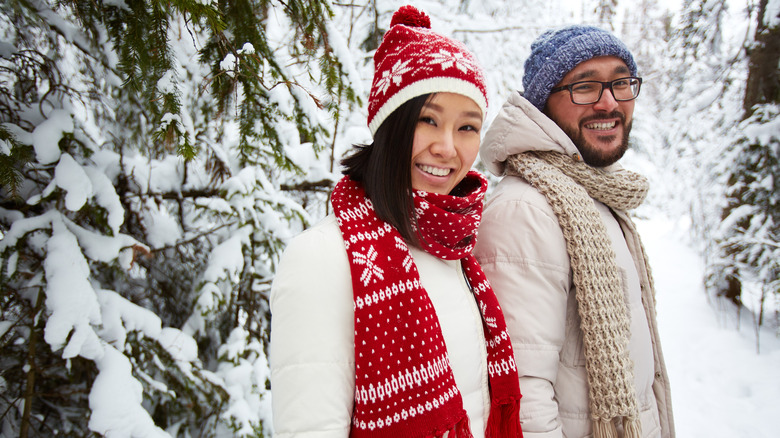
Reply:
x=444, y=144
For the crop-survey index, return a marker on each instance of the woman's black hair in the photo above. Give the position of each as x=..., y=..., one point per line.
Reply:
x=384, y=167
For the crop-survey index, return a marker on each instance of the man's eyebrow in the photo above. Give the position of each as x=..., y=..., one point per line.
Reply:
x=621, y=69
x=584, y=75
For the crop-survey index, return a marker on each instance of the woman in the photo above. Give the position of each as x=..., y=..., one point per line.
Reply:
x=375, y=328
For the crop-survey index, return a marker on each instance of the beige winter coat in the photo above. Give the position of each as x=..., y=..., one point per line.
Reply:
x=523, y=253
x=312, y=350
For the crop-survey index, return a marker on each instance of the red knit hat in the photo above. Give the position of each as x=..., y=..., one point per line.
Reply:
x=412, y=60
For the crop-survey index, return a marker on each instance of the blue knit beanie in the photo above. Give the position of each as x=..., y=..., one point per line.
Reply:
x=556, y=52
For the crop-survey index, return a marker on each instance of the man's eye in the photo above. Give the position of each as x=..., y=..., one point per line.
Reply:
x=583, y=88
x=621, y=83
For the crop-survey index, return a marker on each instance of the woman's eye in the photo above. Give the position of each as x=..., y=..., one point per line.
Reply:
x=428, y=120
x=469, y=128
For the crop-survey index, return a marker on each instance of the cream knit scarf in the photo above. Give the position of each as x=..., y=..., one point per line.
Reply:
x=570, y=188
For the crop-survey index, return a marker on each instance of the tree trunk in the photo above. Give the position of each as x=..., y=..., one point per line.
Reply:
x=762, y=87
x=763, y=83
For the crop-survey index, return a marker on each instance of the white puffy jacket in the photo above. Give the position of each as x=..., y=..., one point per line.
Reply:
x=312, y=335
x=523, y=252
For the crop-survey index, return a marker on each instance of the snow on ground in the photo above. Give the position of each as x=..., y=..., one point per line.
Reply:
x=720, y=386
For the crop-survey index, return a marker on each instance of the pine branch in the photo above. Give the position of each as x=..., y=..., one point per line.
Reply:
x=321, y=185
x=304, y=186
x=31, y=372
x=191, y=239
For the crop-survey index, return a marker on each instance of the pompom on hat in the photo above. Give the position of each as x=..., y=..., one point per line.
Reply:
x=556, y=52
x=413, y=60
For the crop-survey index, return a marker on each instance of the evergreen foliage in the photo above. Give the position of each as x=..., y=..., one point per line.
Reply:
x=723, y=148
x=138, y=233
x=155, y=156
x=700, y=79
x=747, y=268
x=748, y=235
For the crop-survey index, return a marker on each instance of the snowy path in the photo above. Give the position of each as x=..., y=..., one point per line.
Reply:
x=720, y=386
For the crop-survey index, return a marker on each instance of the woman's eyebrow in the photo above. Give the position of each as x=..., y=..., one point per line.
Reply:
x=436, y=107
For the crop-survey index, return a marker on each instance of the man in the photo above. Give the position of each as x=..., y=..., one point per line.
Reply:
x=563, y=257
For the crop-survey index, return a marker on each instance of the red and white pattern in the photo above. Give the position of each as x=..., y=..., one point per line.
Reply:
x=413, y=60
x=403, y=381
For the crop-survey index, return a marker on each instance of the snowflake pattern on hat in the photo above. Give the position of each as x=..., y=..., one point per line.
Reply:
x=449, y=59
x=392, y=76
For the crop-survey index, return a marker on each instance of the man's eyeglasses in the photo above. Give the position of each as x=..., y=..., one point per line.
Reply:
x=589, y=92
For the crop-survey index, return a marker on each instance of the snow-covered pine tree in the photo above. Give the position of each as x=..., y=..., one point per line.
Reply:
x=153, y=157
x=700, y=86
x=748, y=269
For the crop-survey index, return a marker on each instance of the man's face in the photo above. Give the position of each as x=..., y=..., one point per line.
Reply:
x=599, y=130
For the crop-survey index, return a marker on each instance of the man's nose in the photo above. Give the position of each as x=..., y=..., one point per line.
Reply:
x=607, y=101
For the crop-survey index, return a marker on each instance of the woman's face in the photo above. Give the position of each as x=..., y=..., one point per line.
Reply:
x=446, y=142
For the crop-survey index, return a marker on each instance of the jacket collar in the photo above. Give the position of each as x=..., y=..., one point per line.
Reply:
x=520, y=127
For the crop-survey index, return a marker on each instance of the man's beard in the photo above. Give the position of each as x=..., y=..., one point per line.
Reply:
x=595, y=156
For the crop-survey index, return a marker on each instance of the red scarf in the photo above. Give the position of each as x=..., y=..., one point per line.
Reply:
x=404, y=386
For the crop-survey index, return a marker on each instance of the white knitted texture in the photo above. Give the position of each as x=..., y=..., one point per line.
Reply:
x=569, y=186
x=426, y=86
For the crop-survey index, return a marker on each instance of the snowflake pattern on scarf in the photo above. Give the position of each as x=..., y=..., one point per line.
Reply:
x=404, y=384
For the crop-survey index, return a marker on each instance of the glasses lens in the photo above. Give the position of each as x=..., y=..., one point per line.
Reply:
x=588, y=92
x=585, y=92
x=625, y=88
